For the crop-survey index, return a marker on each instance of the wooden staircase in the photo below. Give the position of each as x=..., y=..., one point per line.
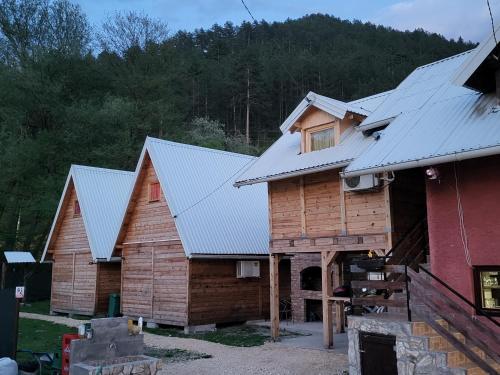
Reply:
x=475, y=339
x=469, y=343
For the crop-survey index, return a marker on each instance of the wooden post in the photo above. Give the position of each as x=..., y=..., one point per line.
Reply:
x=302, y=208
x=275, y=295
x=326, y=291
x=339, y=305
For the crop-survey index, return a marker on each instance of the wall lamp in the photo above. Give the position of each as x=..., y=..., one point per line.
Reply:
x=432, y=173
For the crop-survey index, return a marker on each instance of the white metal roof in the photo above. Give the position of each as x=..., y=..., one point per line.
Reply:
x=474, y=60
x=415, y=90
x=19, y=257
x=445, y=130
x=283, y=159
x=334, y=107
x=102, y=195
x=443, y=122
x=212, y=216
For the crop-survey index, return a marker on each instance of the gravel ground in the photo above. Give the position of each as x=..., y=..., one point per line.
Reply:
x=269, y=359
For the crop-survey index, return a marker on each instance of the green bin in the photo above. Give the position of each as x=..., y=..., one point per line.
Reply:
x=114, y=305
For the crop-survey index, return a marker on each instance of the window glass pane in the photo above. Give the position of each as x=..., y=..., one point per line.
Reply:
x=76, y=209
x=322, y=139
x=490, y=289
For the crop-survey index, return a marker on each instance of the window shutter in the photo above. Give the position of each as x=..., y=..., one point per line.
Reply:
x=76, y=209
x=154, y=192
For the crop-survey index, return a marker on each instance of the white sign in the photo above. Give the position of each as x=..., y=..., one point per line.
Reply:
x=20, y=292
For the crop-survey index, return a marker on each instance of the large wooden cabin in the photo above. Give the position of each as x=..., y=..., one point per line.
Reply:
x=81, y=242
x=186, y=231
x=316, y=217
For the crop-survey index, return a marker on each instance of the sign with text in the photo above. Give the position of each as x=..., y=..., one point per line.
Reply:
x=20, y=292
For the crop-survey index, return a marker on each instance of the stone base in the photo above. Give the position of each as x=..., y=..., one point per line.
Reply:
x=201, y=328
x=412, y=352
x=136, y=365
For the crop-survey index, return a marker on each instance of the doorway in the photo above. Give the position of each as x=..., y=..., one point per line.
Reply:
x=378, y=355
x=314, y=310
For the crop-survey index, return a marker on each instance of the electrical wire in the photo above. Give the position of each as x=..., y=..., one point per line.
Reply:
x=248, y=10
x=460, y=209
x=213, y=191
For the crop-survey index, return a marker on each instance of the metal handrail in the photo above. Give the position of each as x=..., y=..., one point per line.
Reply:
x=478, y=309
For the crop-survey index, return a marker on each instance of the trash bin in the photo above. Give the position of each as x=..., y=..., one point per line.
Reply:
x=114, y=305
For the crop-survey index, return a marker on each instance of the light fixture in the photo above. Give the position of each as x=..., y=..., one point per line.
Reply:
x=432, y=173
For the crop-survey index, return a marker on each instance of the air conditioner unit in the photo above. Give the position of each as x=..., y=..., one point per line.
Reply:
x=364, y=182
x=247, y=268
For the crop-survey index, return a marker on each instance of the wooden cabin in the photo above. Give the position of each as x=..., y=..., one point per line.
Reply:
x=194, y=249
x=81, y=241
x=321, y=220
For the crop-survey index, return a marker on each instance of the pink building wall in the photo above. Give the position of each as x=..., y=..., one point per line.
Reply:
x=479, y=186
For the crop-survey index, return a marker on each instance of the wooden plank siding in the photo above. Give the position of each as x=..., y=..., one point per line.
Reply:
x=217, y=295
x=332, y=219
x=108, y=282
x=73, y=273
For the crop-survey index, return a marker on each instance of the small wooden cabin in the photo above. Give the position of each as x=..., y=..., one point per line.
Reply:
x=194, y=248
x=82, y=238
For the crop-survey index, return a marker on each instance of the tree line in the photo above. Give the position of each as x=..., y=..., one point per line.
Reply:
x=72, y=92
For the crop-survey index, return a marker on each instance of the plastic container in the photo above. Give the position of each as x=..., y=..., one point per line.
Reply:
x=113, y=305
x=8, y=366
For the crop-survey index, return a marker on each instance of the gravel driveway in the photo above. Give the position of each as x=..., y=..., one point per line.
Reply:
x=270, y=358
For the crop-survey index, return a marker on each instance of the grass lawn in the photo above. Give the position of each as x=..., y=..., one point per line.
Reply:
x=40, y=336
x=39, y=307
x=240, y=335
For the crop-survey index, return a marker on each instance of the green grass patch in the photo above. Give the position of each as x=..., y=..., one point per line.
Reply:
x=40, y=336
x=38, y=307
x=241, y=335
x=174, y=355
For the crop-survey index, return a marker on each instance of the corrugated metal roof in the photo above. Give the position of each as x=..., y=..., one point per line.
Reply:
x=334, y=107
x=102, y=195
x=458, y=123
x=212, y=216
x=439, y=122
x=415, y=90
x=283, y=159
x=19, y=257
x=474, y=60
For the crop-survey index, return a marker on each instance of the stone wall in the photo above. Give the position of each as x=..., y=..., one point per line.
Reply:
x=412, y=352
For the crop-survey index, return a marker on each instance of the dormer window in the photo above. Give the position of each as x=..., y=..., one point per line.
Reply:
x=318, y=139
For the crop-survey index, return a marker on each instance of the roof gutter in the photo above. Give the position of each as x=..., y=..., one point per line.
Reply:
x=449, y=158
x=111, y=260
x=227, y=256
x=296, y=173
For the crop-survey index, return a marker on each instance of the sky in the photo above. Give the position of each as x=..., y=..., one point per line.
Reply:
x=451, y=18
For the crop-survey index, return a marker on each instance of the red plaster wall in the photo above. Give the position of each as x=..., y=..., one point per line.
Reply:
x=479, y=186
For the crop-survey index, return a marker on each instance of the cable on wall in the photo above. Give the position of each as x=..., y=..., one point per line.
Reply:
x=460, y=209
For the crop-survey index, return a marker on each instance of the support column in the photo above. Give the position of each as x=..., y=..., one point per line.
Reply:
x=326, y=290
x=274, y=260
x=339, y=305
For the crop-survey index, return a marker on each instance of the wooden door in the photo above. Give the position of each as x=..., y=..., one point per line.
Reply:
x=378, y=355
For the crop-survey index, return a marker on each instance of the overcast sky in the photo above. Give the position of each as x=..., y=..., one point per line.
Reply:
x=451, y=18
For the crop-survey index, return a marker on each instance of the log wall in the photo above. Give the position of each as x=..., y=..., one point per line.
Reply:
x=108, y=282
x=217, y=295
x=73, y=274
x=154, y=282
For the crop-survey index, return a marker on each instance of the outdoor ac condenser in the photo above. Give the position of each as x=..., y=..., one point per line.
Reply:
x=364, y=182
x=247, y=268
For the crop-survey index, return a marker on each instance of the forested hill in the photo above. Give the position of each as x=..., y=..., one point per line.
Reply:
x=69, y=94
